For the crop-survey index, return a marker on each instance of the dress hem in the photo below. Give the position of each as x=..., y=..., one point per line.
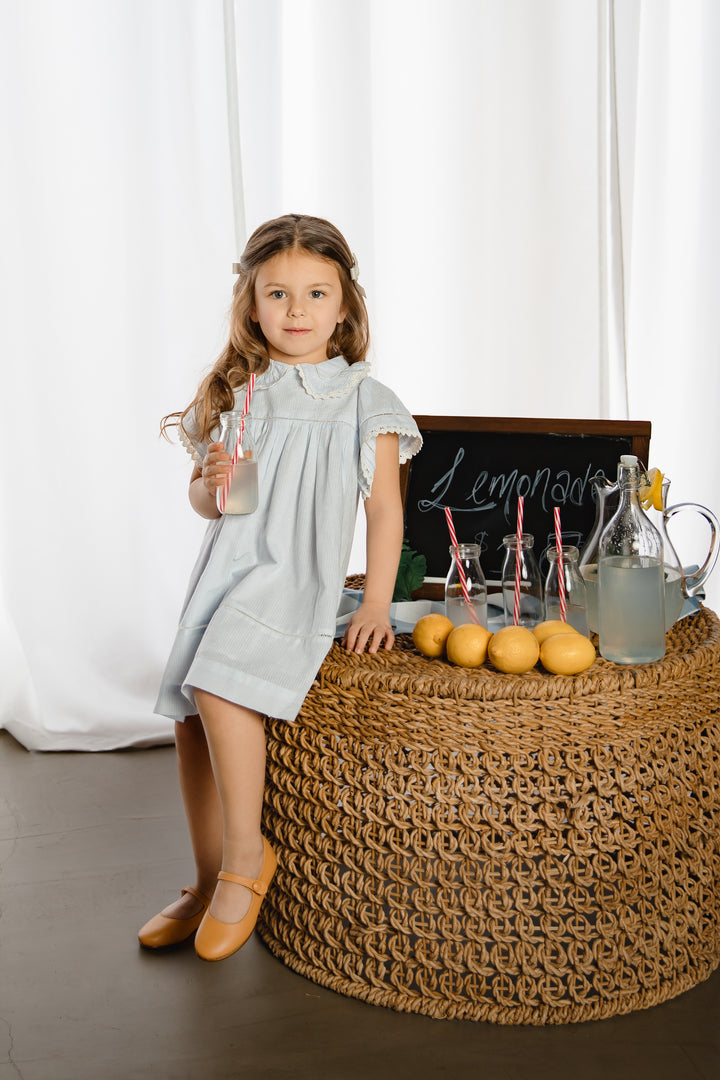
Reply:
x=244, y=689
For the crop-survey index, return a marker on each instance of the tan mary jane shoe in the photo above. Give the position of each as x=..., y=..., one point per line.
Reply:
x=164, y=930
x=215, y=940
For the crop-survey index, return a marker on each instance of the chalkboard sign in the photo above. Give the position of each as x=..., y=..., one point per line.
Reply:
x=479, y=465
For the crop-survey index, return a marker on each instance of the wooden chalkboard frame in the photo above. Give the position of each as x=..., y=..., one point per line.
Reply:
x=636, y=431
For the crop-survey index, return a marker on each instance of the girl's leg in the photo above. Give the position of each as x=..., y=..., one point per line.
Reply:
x=236, y=742
x=202, y=810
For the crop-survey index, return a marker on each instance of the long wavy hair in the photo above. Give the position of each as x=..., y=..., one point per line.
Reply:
x=246, y=350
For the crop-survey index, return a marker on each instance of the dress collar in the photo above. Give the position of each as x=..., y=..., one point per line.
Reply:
x=328, y=379
x=273, y=373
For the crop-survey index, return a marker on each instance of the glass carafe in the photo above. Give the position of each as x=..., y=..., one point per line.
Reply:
x=606, y=500
x=575, y=593
x=458, y=608
x=241, y=497
x=530, y=596
x=631, y=593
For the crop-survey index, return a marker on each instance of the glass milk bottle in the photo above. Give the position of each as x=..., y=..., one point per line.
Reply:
x=530, y=599
x=457, y=608
x=575, y=596
x=631, y=588
x=242, y=495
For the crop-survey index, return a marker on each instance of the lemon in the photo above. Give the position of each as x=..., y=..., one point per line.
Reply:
x=514, y=649
x=567, y=654
x=467, y=645
x=430, y=634
x=546, y=629
x=651, y=493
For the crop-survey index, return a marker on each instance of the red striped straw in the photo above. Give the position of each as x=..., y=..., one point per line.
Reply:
x=461, y=568
x=560, y=567
x=518, y=560
x=238, y=443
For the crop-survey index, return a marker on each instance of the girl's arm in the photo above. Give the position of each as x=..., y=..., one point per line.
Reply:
x=205, y=482
x=370, y=624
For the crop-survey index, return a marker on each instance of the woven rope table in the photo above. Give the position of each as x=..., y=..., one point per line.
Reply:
x=521, y=849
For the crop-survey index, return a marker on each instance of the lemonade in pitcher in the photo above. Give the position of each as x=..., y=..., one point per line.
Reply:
x=674, y=597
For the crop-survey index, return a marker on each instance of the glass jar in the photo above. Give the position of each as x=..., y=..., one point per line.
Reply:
x=631, y=586
x=575, y=597
x=459, y=608
x=530, y=596
x=241, y=495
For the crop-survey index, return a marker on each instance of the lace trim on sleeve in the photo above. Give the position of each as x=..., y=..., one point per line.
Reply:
x=410, y=443
x=189, y=446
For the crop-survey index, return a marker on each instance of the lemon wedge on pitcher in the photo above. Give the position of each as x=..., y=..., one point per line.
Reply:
x=651, y=493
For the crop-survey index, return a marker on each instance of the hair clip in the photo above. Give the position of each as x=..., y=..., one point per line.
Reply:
x=355, y=274
x=237, y=268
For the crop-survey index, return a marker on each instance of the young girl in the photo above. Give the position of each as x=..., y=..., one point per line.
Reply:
x=259, y=616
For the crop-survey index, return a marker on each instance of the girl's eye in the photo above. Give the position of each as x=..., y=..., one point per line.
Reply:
x=278, y=294
x=317, y=294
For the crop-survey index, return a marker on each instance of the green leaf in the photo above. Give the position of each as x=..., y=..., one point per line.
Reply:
x=410, y=575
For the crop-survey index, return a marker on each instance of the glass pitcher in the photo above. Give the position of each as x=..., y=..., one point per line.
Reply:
x=678, y=584
x=606, y=499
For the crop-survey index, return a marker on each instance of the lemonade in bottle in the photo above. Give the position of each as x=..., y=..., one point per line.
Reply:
x=631, y=586
x=241, y=495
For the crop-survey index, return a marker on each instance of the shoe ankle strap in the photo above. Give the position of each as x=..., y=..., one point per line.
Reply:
x=255, y=885
x=197, y=894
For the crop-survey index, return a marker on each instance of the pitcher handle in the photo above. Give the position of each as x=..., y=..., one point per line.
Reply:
x=694, y=582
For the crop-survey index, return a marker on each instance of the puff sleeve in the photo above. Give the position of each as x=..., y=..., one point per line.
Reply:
x=380, y=412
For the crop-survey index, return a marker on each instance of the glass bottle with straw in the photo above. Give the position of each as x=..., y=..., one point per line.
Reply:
x=564, y=586
x=521, y=583
x=465, y=588
x=239, y=493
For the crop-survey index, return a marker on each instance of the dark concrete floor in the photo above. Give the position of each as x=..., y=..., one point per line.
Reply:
x=93, y=844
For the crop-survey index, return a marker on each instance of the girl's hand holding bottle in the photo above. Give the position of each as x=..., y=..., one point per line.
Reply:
x=369, y=625
x=205, y=481
x=216, y=466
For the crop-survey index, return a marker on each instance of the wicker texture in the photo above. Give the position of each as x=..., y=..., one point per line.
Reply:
x=521, y=849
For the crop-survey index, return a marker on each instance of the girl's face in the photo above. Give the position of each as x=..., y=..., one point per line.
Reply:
x=298, y=304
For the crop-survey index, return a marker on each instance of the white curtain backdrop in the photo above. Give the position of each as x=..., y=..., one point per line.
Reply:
x=530, y=188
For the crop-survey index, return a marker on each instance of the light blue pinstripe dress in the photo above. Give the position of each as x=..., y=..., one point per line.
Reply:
x=259, y=615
